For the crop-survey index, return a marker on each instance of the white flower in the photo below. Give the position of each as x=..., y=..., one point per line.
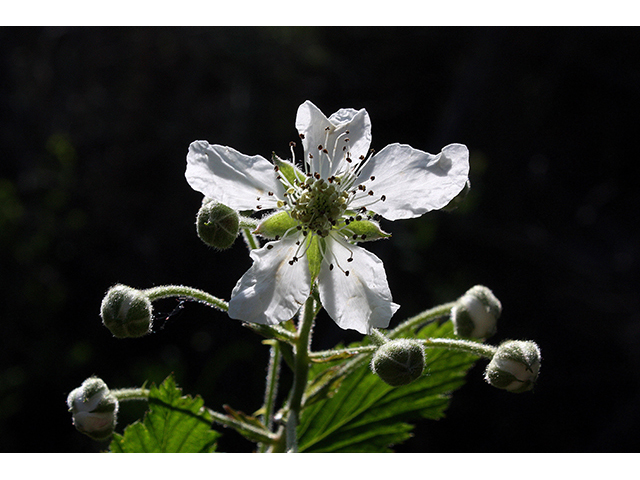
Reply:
x=326, y=207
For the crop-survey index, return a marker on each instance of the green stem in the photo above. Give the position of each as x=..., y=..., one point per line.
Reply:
x=300, y=372
x=273, y=374
x=166, y=291
x=467, y=346
x=249, y=238
x=128, y=394
x=250, y=431
x=424, y=317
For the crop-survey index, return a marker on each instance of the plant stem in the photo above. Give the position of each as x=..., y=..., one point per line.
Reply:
x=474, y=348
x=273, y=374
x=424, y=317
x=166, y=291
x=300, y=372
x=128, y=394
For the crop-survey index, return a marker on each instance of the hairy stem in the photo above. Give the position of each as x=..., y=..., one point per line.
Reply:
x=300, y=372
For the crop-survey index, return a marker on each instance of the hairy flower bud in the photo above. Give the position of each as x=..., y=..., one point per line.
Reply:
x=217, y=224
x=94, y=409
x=399, y=362
x=476, y=313
x=515, y=366
x=126, y=312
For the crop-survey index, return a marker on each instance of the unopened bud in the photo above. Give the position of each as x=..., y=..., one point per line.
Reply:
x=476, y=313
x=217, y=224
x=399, y=362
x=515, y=366
x=94, y=409
x=126, y=312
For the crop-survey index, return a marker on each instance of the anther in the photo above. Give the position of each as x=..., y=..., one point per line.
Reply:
x=269, y=247
x=302, y=136
x=370, y=192
x=331, y=266
x=346, y=272
x=372, y=178
x=383, y=198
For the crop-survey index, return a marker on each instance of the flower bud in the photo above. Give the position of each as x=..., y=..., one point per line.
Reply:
x=217, y=224
x=399, y=362
x=94, y=409
x=476, y=313
x=126, y=312
x=515, y=366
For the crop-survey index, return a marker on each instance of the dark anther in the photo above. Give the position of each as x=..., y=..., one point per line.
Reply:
x=331, y=266
x=270, y=194
x=302, y=135
x=346, y=273
x=275, y=167
x=319, y=147
x=383, y=198
x=370, y=192
x=269, y=247
x=372, y=178
x=350, y=259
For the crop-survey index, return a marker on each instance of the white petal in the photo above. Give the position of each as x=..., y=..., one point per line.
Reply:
x=232, y=178
x=361, y=300
x=271, y=291
x=413, y=182
x=313, y=124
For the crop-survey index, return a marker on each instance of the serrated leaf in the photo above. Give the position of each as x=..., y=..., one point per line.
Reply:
x=366, y=415
x=173, y=424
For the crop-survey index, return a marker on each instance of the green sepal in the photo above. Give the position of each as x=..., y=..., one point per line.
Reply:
x=364, y=231
x=314, y=257
x=276, y=225
x=288, y=170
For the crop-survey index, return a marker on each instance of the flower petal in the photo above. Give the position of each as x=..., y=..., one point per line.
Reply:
x=316, y=129
x=232, y=178
x=272, y=290
x=413, y=182
x=361, y=300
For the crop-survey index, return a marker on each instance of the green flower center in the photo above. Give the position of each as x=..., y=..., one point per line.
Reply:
x=320, y=205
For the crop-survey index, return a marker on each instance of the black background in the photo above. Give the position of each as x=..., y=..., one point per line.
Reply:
x=95, y=124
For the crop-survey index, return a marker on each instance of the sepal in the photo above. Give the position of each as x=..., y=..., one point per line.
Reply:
x=276, y=226
x=363, y=230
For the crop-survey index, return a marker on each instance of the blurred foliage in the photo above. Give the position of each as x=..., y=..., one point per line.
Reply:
x=95, y=125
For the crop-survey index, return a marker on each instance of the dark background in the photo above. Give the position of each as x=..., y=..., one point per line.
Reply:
x=95, y=124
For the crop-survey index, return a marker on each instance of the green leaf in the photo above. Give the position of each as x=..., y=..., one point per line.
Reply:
x=366, y=415
x=173, y=424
